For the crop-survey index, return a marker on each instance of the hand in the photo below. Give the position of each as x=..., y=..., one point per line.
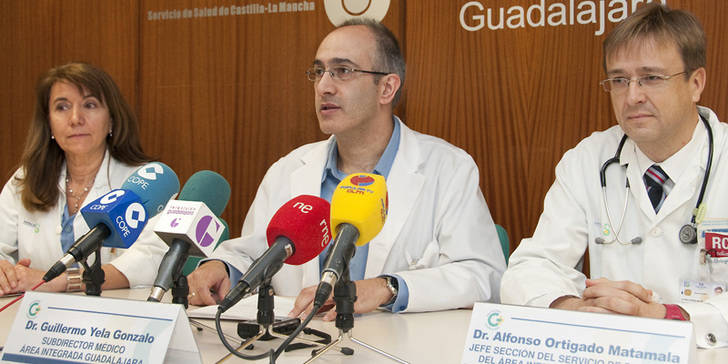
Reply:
x=27, y=278
x=209, y=283
x=8, y=280
x=607, y=296
x=371, y=293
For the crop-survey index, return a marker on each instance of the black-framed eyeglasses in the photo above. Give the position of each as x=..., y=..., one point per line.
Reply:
x=342, y=73
x=650, y=81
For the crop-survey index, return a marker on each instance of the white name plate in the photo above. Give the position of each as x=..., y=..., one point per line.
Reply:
x=54, y=327
x=503, y=334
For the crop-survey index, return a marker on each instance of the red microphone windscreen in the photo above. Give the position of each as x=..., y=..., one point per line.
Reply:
x=304, y=220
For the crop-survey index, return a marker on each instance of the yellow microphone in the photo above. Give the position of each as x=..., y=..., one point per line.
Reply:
x=360, y=200
x=358, y=212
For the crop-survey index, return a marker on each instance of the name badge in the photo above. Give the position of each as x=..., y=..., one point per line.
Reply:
x=54, y=327
x=503, y=334
x=699, y=291
x=713, y=235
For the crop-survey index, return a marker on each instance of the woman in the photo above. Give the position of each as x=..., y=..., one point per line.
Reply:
x=83, y=142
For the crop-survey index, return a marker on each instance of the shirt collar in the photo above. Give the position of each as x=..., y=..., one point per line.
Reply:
x=384, y=165
x=677, y=163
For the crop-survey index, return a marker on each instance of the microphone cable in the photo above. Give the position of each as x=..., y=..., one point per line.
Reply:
x=296, y=332
x=20, y=297
x=270, y=354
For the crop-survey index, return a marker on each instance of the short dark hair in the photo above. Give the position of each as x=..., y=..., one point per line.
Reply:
x=389, y=56
x=660, y=23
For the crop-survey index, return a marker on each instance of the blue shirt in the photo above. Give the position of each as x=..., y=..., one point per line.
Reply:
x=329, y=180
x=67, y=236
x=331, y=177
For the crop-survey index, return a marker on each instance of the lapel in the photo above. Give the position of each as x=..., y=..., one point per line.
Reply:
x=637, y=185
x=686, y=190
x=101, y=186
x=692, y=179
x=683, y=192
x=404, y=185
x=306, y=180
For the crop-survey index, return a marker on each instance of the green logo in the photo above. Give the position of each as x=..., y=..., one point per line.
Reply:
x=495, y=319
x=33, y=309
x=34, y=226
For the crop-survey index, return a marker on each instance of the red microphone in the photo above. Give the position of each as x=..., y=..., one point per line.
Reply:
x=304, y=220
x=298, y=232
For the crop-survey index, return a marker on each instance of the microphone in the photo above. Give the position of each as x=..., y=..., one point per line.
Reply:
x=190, y=225
x=358, y=211
x=297, y=233
x=193, y=260
x=118, y=217
x=225, y=231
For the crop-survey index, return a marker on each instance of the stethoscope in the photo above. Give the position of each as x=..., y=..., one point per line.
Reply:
x=688, y=233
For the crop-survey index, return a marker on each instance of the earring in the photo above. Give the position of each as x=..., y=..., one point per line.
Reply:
x=110, y=133
x=52, y=137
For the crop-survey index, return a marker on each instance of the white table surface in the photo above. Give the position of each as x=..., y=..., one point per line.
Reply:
x=432, y=337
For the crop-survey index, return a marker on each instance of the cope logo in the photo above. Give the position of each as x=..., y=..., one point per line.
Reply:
x=135, y=214
x=362, y=180
x=150, y=171
x=494, y=319
x=202, y=231
x=33, y=310
x=111, y=197
x=340, y=11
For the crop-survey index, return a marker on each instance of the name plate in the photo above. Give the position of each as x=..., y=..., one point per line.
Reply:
x=504, y=334
x=55, y=327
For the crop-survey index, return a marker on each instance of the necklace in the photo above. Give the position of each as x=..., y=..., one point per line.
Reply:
x=77, y=199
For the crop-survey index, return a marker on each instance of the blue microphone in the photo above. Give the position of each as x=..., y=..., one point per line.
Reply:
x=118, y=217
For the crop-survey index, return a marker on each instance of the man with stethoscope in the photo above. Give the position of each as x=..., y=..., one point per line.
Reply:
x=648, y=198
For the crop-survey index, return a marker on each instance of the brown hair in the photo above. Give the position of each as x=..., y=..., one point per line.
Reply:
x=42, y=158
x=659, y=22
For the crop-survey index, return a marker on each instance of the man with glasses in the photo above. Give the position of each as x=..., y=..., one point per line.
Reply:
x=629, y=194
x=438, y=248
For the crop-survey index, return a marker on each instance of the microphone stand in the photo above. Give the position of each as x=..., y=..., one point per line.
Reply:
x=178, y=284
x=93, y=277
x=180, y=290
x=345, y=296
x=266, y=318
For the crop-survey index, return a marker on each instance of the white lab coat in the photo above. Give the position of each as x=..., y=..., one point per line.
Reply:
x=37, y=235
x=543, y=267
x=439, y=235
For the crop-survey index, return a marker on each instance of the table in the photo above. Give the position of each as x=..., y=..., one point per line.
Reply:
x=431, y=337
